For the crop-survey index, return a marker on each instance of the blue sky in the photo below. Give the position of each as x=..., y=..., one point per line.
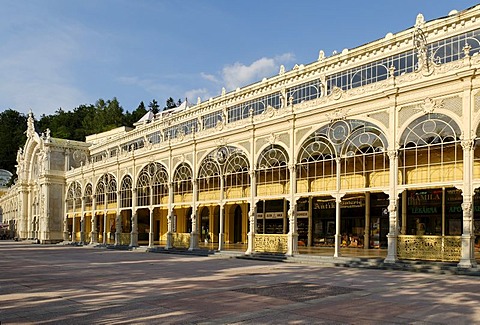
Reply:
x=64, y=53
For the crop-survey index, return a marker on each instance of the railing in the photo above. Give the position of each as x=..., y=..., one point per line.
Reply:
x=178, y=239
x=124, y=238
x=432, y=248
x=267, y=243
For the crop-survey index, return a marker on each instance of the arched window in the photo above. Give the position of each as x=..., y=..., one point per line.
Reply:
x=209, y=174
x=159, y=177
x=272, y=171
x=236, y=169
x=182, y=183
x=105, y=191
x=74, y=197
x=111, y=190
x=88, y=196
x=152, y=181
x=360, y=146
x=143, y=188
x=316, y=169
x=126, y=192
x=430, y=150
x=365, y=161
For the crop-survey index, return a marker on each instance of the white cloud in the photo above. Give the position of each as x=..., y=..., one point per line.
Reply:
x=239, y=75
x=193, y=94
x=209, y=77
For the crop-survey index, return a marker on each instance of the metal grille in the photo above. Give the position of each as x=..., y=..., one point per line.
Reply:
x=298, y=292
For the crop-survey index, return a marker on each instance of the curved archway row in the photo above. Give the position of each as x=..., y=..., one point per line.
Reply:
x=344, y=165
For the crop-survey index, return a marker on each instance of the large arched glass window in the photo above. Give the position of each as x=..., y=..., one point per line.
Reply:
x=237, y=178
x=74, y=197
x=272, y=171
x=476, y=157
x=209, y=174
x=159, y=177
x=365, y=161
x=106, y=191
x=316, y=169
x=361, y=147
x=143, y=188
x=100, y=194
x=111, y=190
x=152, y=185
x=126, y=192
x=182, y=183
x=88, y=195
x=430, y=150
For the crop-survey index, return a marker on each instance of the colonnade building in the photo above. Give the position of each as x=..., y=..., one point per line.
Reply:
x=369, y=148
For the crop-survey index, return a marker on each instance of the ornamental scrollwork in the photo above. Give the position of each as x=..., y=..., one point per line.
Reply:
x=429, y=105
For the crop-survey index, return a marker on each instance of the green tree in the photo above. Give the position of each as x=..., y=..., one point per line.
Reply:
x=103, y=116
x=153, y=105
x=170, y=104
x=136, y=115
x=12, y=136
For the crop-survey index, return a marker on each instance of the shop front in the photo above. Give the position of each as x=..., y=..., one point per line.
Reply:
x=431, y=224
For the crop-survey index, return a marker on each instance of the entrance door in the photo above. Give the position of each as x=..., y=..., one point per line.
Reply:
x=204, y=223
x=237, y=225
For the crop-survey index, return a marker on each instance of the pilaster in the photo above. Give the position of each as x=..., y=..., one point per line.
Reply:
x=392, y=235
x=134, y=233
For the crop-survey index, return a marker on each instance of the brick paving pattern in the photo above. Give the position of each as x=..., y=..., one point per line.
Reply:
x=84, y=285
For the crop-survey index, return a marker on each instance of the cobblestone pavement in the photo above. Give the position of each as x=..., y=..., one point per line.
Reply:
x=84, y=285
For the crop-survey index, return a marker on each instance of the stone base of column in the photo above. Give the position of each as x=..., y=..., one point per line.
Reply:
x=93, y=238
x=338, y=241
x=392, y=249
x=250, y=244
x=221, y=241
x=467, y=263
x=134, y=239
x=169, y=244
x=292, y=246
x=66, y=237
x=82, y=238
x=150, y=239
x=366, y=241
x=193, y=241
x=467, y=260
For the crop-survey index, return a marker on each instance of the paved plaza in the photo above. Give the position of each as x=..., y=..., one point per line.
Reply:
x=85, y=285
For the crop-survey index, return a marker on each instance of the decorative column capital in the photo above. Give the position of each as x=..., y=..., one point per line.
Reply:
x=467, y=207
x=467, y=144
x=392, y=207
x=392, y=154
x=291, y=167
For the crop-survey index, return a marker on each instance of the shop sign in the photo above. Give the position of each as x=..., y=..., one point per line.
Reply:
x=345, y=204
x=274, y=215
x=424, y=210
x=302, y=214
x=352, y=203
x=324, y=205
x=270, y=215
x=425, y=197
